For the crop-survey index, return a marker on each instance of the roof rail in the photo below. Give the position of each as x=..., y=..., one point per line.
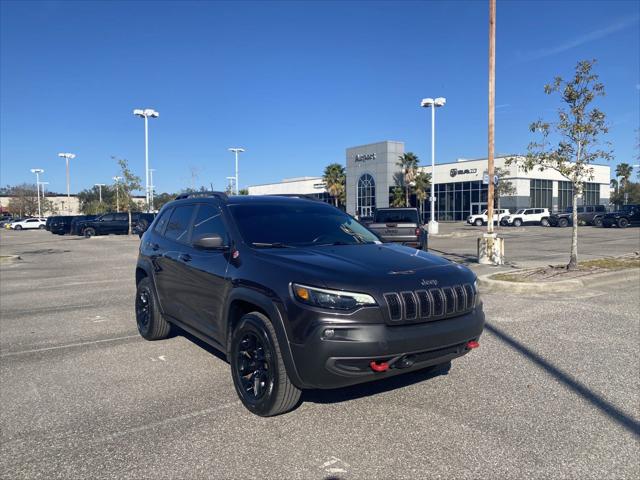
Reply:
x=220, y=195
x=294, y=195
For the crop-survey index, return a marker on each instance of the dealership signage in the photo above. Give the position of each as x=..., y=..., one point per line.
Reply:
x=455, y=171
x=361, y=157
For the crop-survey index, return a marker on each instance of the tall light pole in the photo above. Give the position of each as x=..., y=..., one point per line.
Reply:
x=146, y=114
x=67, y=157
x=151, y=187
x=117, y=180
x=236, y=150
x=99, y=185
x=38, y=171
x=431, y=103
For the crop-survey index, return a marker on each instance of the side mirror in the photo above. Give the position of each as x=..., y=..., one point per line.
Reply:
x=211, y=241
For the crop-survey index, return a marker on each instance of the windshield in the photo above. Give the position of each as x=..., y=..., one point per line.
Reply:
x=396, y=216
x=297, y=225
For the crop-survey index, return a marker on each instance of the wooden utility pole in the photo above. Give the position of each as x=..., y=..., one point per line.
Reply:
x=492, y=100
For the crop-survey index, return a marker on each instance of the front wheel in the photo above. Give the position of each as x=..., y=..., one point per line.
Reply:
x=544, y=222
x=563, y=222
x=478, y=222
x=257, y=368
x=18, y=227
x=89, y=232
x=517, y=222
x=597, y=222
x=623, y=223
x=151, y=324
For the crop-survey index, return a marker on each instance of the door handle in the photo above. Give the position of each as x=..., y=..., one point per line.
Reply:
x=185, y=257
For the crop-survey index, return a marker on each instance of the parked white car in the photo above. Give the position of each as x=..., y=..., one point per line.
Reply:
x=538, y=216
x=28, y=223
x=482, y=219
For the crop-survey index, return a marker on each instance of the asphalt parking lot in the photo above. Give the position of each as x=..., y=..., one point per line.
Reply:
x=553, y=391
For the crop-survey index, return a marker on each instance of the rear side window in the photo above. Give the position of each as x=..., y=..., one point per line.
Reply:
x=600, y=208
x=580, y=209
x=208, y=221
x=178, y=225
x=122, y=217
x=106, y=218
x=162, y=221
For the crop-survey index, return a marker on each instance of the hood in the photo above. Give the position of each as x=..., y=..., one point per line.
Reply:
x=386, y=267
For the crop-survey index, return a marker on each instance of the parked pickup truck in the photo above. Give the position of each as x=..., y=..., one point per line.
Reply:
x=399, y=225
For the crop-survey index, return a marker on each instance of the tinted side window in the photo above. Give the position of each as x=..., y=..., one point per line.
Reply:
x=106, y=218
x=580, y=209
x=600, y=208
x=178, y=226
x=208, y=221
x=589, y=209
x=162, y=221
x=122, y=217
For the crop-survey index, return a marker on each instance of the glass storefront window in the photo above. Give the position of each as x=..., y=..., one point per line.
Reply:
x=366, y=199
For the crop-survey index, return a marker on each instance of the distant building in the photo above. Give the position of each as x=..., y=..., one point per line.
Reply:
x=62, y=204
x=460, y=189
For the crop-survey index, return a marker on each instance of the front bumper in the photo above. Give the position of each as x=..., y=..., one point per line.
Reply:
x=345, y=358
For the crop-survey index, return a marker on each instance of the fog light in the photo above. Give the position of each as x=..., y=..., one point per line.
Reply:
x=329, y=333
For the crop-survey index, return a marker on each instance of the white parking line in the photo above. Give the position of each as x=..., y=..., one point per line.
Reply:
x=69, y=345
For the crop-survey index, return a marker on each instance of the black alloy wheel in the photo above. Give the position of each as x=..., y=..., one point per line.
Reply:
x=89, y=232
x=257, y=368
x=563, y=222
x=151, y=324
x=597, y=222
x=623, y=223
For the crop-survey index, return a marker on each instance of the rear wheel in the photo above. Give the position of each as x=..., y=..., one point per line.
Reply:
x=623, y=223
x=478, y=222
x=257, y=368
x=42, y=227
x=151, y=323
x=597, y=222
x=89, y=232
x=544, y=222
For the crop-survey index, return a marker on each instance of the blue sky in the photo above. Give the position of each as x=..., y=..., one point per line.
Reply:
x=294, y=83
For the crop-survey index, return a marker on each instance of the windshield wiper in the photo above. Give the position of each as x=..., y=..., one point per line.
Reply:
x=271, y=245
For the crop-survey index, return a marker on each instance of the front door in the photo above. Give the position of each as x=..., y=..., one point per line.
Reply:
x=477, y=208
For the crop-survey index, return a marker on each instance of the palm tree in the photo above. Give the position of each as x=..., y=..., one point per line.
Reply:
x=422, y=184
x=624, y=171
x=334, y=179
x=408, y=162
x=614, y=184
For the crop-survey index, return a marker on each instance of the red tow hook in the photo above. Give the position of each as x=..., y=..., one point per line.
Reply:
x=472, y=344
x=379, y=367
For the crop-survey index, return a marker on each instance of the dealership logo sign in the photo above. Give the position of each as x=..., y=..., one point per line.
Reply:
x=454, y=171
x=365, y=156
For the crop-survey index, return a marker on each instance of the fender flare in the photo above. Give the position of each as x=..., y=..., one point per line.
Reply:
x=267, y=304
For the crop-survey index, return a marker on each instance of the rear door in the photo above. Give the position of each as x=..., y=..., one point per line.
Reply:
x=120, y=223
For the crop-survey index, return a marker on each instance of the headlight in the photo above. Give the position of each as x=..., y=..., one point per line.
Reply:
x=333, y=299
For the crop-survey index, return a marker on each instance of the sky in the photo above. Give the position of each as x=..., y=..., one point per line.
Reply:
x=294, y=83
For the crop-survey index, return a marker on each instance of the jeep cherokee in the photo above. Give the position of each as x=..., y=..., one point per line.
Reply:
x=299, y=295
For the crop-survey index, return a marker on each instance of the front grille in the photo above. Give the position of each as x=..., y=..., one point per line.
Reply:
x=432, y=304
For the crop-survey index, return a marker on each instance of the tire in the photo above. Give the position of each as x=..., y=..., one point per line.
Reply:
x=18, y=227
x=563, y=222
x=544, y=222
x=597, y=222
x=478, y=222
x=151, y=324
x=89, y=232
x=517, y=222
x=623, y=223
x=41, y=227
x=254, y=345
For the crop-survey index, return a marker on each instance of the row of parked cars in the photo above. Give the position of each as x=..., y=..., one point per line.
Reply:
x=19, y=223
x=116, y=223
x=595, y=215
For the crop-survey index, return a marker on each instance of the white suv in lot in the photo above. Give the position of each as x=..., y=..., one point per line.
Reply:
x=482, y=219
x=538, y=216
x=28, y=223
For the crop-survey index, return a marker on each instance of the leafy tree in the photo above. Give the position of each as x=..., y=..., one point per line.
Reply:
x=504, y=187
x=90, y=200
x=397, y=197
x=422, y=184
x=624, y=171
x=335, y=181
x=127, y=185
x=24, y=201
x=243, y=191
x=577, y=135
x=408, y=163
x=162, y=198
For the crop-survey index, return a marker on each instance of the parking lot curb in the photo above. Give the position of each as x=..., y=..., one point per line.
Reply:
x=488, y=284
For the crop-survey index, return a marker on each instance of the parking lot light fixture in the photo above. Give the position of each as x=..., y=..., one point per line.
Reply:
x=146, y=114
x=67, y=157
x=236, y=150
x=117, y=180
x=99, y=185
x=38, y=171
x=433, y=104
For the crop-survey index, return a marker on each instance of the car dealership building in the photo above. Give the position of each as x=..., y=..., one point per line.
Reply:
x=460, y=187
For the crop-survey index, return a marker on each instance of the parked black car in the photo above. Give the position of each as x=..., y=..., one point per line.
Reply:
x=77, y=221
x=298, y=295
x=627, y=215
x=59, y=224
x=587, y=214
x=114, y=223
